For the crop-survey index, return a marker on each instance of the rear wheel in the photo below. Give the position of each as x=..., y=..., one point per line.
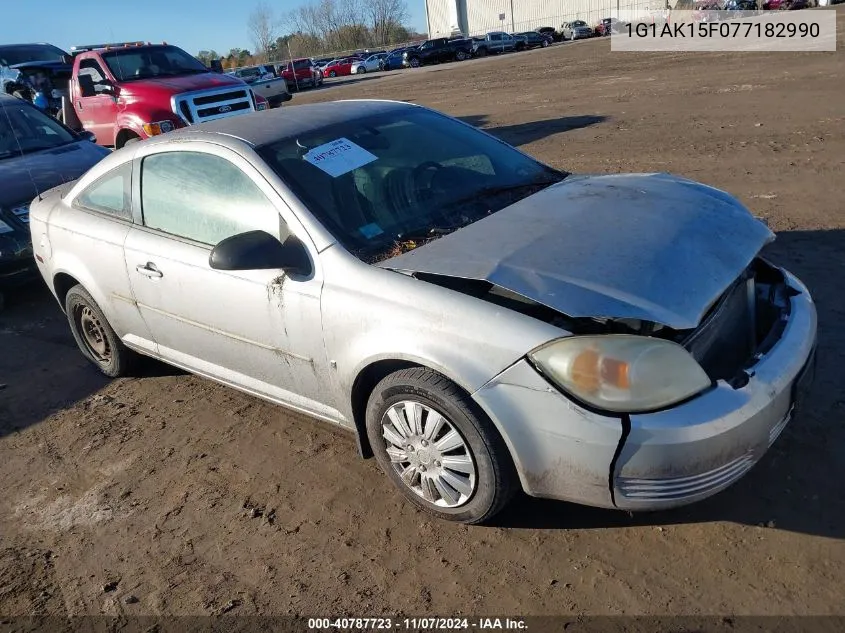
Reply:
x=96, y=339
x=438, y=447
x=460, y=56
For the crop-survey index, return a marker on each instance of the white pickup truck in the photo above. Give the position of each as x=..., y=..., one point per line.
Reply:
x=264, y=81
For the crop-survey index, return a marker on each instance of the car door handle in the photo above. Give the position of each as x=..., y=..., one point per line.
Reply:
x=149, y=270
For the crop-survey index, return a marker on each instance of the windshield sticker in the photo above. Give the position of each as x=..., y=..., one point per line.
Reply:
x=339, y=157
x=5, y=228
x=370, y=230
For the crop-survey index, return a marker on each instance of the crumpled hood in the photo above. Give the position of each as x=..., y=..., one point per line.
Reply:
x=22, y=178
x=640, y=246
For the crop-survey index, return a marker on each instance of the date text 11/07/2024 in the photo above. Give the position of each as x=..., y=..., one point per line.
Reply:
x=416, y=624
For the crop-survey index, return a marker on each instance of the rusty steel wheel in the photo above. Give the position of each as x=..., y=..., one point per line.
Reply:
x=94, y=336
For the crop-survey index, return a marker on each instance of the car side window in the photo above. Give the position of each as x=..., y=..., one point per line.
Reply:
x=110, y=194
x=90, y=76
x=203, y=197
x=91, y=68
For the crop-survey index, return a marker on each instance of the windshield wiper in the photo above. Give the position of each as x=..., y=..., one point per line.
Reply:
x=426, y=233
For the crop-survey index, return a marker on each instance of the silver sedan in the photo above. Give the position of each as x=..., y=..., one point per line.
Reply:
x=480, y=321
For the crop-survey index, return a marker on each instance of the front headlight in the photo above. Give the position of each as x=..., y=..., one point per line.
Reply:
x=159, y=127
x=621, y=372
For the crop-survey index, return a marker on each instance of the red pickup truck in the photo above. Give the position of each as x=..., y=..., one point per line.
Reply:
x=300, y=73
x=131, y=91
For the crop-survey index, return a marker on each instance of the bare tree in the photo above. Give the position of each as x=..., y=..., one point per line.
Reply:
x=342, y=25
x=262, y=29
x=385, y=16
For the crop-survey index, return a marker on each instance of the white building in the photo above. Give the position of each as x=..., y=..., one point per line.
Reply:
x=476, y=17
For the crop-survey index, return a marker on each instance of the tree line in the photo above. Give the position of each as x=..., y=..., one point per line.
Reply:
x=320, y=27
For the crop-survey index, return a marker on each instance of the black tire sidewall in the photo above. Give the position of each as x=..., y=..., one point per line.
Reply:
x=471, y=427
x=78, y=297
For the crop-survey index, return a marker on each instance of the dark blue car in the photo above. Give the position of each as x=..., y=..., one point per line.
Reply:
x=37, y=153
x=394, y=60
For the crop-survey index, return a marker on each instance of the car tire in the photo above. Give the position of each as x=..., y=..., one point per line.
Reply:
x=313, y=83
x=95, y=338
x=460, y=56
x=545, y=43
x=481, y=468
x=361, y=71
x=332, y=73
x=414, y=62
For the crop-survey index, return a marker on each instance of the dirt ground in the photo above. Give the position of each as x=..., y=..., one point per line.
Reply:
x=167, y=494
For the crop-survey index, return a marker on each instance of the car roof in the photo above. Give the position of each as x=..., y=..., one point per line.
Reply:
x=269, y=126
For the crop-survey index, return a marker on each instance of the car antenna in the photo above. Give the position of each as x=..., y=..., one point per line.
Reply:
x=20, y=148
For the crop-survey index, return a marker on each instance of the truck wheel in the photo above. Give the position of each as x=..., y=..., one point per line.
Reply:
x=438, y=447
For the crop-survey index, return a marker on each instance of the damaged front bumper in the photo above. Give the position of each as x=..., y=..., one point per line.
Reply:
x=656, y=460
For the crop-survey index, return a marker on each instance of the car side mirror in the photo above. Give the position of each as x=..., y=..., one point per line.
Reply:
x=258, y=250
x=104, y=88
x=67, y=59
x=87, y=135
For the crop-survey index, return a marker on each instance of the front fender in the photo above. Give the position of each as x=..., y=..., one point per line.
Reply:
x=134, y=120
x=371, y=314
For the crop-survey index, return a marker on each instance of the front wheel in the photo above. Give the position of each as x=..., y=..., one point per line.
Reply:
x=96, y=339
x=545, y=43
x=438, y=447
x=361, y=70
x=415, y=63
x=332, y=73
x=460, y=56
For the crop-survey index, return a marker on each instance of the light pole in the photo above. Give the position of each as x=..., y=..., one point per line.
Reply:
x=513, y=23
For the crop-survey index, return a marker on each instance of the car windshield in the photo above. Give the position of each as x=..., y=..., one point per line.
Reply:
x=302, y=63
x=128, y=64
x=386, y=183
x=11, y=55
x=24, y=129
x=579, y=23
